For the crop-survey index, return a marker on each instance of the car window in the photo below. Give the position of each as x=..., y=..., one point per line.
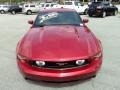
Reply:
x=106, y=4
x=14, y=6
x=96, y=3
x=26, y=5
x=47, y=5
x=68, y=3
x=52, y=5
x=17, y=6
x=32, y=5
x=58, y=18
x=77, y=3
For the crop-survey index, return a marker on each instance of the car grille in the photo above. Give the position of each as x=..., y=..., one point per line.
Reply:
x=60, y=65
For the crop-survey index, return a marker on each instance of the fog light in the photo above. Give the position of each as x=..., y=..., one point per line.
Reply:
x=40, y=63
x=80, y=62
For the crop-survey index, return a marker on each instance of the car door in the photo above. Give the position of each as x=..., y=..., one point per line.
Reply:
x=42, y=6
x=0, y=7
x=16, y=9
x=112, y=8
x=37, y=8
x=51, y=6
x=5, y=8
x=107, y=8
x=19, y=9
x=33, y=8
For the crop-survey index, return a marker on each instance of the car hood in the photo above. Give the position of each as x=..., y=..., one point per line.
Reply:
x=58, y=43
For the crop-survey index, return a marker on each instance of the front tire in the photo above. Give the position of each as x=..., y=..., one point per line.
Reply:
x=26, y=78
x=90, y=15
x=115, y=12
x=86, y=12
x=103, y=14
x=2, y=11
x=93, y=76
x=13, y=12
x=29, y=12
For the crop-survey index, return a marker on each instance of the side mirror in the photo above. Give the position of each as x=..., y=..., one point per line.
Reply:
x=85, y=20
x=30, y=22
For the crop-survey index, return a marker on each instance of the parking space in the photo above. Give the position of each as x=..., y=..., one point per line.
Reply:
x=13, y=27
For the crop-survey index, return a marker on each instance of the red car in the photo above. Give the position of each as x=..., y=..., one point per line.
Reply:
x=59, y=47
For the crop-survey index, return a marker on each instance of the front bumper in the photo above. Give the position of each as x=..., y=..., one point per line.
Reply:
x=95, y=12
x=59, y=75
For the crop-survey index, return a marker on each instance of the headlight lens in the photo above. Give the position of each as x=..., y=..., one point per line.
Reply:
x=80, y=62
x=40, y=63
x=99, y=7
x=20, y=57
x=98, y=55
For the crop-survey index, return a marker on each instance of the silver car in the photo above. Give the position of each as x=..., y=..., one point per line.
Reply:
x=4, y=8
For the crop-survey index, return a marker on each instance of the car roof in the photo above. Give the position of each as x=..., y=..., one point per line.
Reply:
x=101, y=2
x=14, y=5
x=30, y=4
x=58, y=10
x=3, y=5
x=50, y=3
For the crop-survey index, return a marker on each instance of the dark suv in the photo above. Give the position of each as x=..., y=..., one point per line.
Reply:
x=15, y=9
x=102, y=9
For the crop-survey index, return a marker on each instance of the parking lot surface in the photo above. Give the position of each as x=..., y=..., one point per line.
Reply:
x=13, y=27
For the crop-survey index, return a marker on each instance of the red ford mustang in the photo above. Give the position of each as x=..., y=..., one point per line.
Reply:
x=59, y=47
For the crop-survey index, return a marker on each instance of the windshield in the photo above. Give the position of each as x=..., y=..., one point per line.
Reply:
x=77, y=3
x=57, y=18
x=96, y=3
x=68, y=3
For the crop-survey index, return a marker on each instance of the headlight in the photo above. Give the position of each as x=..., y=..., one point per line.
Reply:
x=40, y=63
x=20, y=57
x=99, y=7
x=80, y=62
x=98, y=55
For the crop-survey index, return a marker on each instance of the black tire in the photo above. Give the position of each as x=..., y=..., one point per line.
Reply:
x=26, y=78
x=86, y=12
x=29, y=12
x=90, y=15
x=13, y=12
x=2, y=11
x=94, y=76
x=103, y=14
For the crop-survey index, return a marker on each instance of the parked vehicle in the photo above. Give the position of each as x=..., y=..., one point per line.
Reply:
x=102, y=9
x=15, y=9
x=4, y=8
x=78, y=6
x=59, y=47
x=30, y=8
x=46, y=5
x=118, y=6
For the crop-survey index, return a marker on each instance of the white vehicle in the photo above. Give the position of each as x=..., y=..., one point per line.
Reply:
x=4, y=9
x=118, y=6
x=80, y=8
x=46, y=5
x=30, y=8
